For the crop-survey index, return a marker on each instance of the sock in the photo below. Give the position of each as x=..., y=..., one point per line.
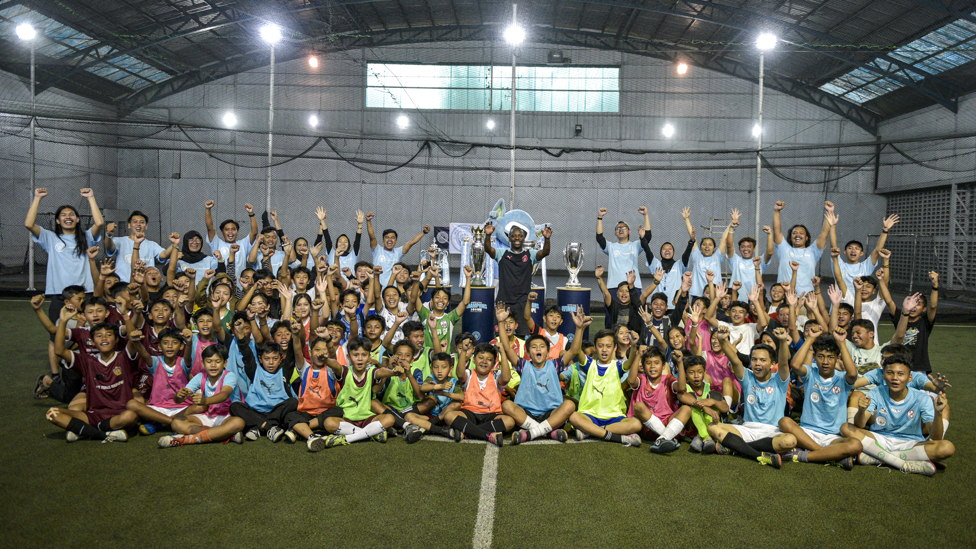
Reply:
x=851, y=412
x=655, y=424
x=674, y=427
x=802, y=455
x=365, y=433
x=105, y=425
x=728, y=401
x=915, y=454
x=346, y=428
x=83, y=429
x=462, y=424
x=406, y=423
x=764, y=445
x=496, y=426
x=440, y=430
x=202, y=437
x=945, y=426
x=540, y=430
x=529, y=423
x=736, y=444
x=872, y=449
x=612, y=437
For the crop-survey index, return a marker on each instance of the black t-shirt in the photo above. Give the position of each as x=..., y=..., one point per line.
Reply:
x=917, y=339
x=629, y=314
x=514, y=276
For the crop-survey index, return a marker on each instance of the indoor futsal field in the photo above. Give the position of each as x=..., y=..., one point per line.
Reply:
x=437, y=493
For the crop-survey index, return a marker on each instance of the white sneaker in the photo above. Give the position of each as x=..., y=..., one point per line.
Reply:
x=926, y=468
x=580, y=435
x=253, y=434
x=238, y=437
x=169, y=441
x=864, y=459
x=316, y=443
x=116, y=436
x=290, y=436
x=631, y=440
x=70, y=436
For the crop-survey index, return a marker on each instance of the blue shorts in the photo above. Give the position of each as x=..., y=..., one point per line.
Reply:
x=604, y=422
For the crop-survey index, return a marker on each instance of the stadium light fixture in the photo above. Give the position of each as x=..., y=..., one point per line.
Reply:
x=402, y=121
x=766, y=41
x=230, y=119
x=313, y=121
x=668, y=131
x=490, y=124
x=25, y=31
x=756, y=130
x=271, y=33
x=514, y=35
x=682, y=68
x=313, y=61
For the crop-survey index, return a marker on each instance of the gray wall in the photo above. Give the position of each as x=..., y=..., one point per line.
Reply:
x=710, y=112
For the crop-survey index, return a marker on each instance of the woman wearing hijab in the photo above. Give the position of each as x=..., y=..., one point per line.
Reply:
x=192, y=256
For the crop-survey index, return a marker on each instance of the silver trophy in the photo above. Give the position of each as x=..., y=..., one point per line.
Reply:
x=436, y=257
x=573, y=256
x=478, y=255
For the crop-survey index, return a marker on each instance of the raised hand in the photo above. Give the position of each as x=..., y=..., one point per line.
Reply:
x=831, y=218
x=941, y=402
x=721, y=290
x=783, y=335
x=208, y=204
x=501, y=312
x=110, y=230
x=815, y=281
x=174, y=239
x=834, y=251
x=218, y=256
x=547, y=232
x=360, y=217
x=795, y=265
x=631, y=277
x=863, y=401
x=489, y=228
x=737, y=286
x=642, y=210
x=87, y=193
x=644, y=314
x=598, y=272
x=709, y=276
x=533, y=296
x=840, y=335
x=722, y=333
x=249, y=209
x=92, y=252
x=778, y=207
x=934, y=278
x=858, y=284
x=767, y=229
x=940, y=383
x=370, y=216
x=320, y=213
x=37, y=302
x=833, y=292
x=602, y=212
x=792, y=298
x=686, y=212
x=757, y=262
x=468, y=272
x=209, y=273
x=274, y=214
x=735, y=215
x=885, y=254
x=426, y=229
x=810, y=300
x=829, y=206
x=686, y=281
x=890, y=221
x=40, y=193
x=911, y=301
x=659, y=275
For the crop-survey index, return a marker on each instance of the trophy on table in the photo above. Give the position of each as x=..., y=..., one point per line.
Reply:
x=478, y=257
x=573, y=256
x=436, y=257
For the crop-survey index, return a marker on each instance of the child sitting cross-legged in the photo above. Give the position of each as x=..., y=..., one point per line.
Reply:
x=481, y=415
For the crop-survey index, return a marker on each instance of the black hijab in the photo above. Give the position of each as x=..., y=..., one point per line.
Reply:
x=188, y=256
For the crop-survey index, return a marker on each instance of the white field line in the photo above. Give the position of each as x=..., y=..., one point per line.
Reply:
x=485, y=521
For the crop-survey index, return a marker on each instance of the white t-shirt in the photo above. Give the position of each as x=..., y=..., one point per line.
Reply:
x=749, y=335
x=870, y=310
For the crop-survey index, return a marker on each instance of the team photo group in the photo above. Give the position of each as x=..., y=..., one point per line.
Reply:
x=245, y=332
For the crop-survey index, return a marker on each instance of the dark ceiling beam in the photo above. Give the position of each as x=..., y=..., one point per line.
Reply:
x=860, y=116
x=967, y=15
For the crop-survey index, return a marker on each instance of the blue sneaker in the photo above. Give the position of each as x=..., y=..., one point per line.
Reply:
x=697, y=444
x=148, y=428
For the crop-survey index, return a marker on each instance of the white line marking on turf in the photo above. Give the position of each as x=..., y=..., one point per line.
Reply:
x=485, y=520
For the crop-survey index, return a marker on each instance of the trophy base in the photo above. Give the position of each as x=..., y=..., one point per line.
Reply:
x=573, y=288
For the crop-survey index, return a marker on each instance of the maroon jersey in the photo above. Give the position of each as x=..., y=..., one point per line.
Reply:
x=82, y=338
x=108, y=384
x=114, y=316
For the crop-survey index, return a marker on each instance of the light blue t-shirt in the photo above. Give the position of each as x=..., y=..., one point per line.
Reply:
x=158, y=361
x=671, y=283
x=201, y=267
x=230, y=380
x=235, y=364
x=277, y=260
x=240, y=258
x=806, y=257
x=539, y=390
x=850, y=271
x=764, y=402
x=900, y=419
x=65, y=267
x=622, y=259
x=386, y=259
x=349, y=261
x=699, y=264
x=267, y=391
x=744, y=271
x=876, y=377
x=825, y=401
x=148, y=252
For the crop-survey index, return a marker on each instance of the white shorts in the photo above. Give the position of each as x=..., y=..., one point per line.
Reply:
x=751, y=431
x=211, y=421
x=168, y=412
x=820, y=438
x=893, y=444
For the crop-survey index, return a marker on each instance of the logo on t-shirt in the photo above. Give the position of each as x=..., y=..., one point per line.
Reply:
x=59, y=247
x=814, y=397
x=117, y=371
x=836, y=390
x=751, y=399
x=881, y=422
x=769, y=390
x=911, y=414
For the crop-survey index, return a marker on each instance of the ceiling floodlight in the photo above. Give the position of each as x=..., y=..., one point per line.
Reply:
x=403, y=121
x=313, y=61
x=25, y=31
x=766, y=41
x=514, y=35
x=313, y=121
x=756, y=130
x=682, y=68
x=271, y=33
x=490, y=124
x=668, y=131
x=230, y=119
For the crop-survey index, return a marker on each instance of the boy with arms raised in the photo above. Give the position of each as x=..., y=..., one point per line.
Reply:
x=744, y=268
x=602, y=410
x=317, y=393
x=228, y=234
x=481, y=415
x=921, y=320
x=854, y=264
x=623, y=307
x=826, y=390
x=134, y=246
x=552, y=320
x=764, y=402
x=890, y=420
x=539, y=407
x=108, y=379
x=654, y=401
x=443, y=321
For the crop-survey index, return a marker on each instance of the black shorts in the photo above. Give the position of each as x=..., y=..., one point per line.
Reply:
x=478, y=419
x=541, y=418
x=403, y=415
x=296, y=417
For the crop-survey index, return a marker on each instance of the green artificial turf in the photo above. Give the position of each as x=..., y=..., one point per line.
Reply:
x=593, y=494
